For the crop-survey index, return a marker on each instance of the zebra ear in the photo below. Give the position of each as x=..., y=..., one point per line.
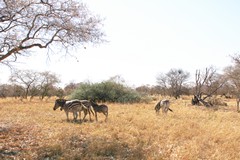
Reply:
x=63, y=100
x=93, y=101
x=60, y=100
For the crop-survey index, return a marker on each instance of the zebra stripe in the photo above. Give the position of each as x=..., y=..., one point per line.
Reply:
x=164, y=104
x=73, y=106
x=100, y=109
x=87, y=109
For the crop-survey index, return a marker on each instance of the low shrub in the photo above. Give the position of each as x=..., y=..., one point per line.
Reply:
x=109, y=91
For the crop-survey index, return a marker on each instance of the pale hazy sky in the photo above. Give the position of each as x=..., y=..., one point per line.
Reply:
x=147, y=38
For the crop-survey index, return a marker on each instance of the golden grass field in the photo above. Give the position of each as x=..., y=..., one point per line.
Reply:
x=32, y=130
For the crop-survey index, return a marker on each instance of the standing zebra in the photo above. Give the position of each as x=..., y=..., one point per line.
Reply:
x=100, y=108
x=88, y=109
x=164, y=104
x=73, y=106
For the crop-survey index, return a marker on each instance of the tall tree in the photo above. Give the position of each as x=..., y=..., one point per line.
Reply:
x=28, y=24
x=25, y=78
x=173, y=81
x=232, y=74
x=47, y=82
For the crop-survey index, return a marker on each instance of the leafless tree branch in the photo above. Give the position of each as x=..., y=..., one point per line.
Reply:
x=41, y=23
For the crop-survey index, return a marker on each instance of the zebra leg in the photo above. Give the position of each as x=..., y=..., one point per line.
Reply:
x=80, y=115
x=67, y=115
x=75, y=115
x=91, y=110
x=106, y=114
x=89, y=114
x=96, y=116
x=164, y=109
x=158, y=107
x=85, y=114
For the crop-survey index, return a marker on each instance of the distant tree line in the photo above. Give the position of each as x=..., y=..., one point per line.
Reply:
x=175, y=83
x=28, y=84
x=208, y=82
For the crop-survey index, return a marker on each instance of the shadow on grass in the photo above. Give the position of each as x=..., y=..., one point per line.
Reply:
x=78, y=121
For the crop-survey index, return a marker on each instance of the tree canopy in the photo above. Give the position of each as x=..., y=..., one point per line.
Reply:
x=173, y=81
x=25, y=25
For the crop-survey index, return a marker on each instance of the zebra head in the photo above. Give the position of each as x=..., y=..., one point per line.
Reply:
x=93, y=103
x=59, y=103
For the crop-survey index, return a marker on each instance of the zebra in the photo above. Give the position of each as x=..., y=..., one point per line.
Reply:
x=88, y=109
x=100, y=108
x=164, y=104
x=73, y=106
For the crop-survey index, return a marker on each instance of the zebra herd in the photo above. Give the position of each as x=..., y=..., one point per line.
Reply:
x=77, y=106
x=89, y=107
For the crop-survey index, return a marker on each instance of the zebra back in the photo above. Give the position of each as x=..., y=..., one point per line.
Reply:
x=72, y=106
x=99, y=108
x=164, y=104
x=87, y=106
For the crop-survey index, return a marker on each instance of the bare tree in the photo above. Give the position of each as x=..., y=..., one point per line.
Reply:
x=47, y=82
x=25, y=78
x=8, y=90
x=206, y=84
x=232, y=74
x=28, y=24
x=162, y=84
x=173, y=81
x=18, y=91
x=69, y=88
x=144, y=89
x=3, y=91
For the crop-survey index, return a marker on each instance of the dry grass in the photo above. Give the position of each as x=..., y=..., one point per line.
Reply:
x=32, y=130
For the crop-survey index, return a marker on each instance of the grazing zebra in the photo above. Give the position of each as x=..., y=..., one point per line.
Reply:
x=73, y=106
x=164, y=104
x=100, y=109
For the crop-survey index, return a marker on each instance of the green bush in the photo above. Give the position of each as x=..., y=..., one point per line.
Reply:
x=109, y=91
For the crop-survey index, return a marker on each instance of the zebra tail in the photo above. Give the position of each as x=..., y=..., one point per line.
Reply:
x=170, y=109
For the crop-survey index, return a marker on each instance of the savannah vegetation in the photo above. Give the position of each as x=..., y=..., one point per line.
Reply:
x=32, y=130
x=204, y=123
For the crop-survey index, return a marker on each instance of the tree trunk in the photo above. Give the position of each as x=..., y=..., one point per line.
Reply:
x=197, y=99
